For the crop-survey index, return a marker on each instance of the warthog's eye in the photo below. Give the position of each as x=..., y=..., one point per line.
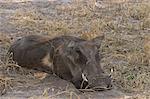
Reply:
x=78, y=51
x=81, y=57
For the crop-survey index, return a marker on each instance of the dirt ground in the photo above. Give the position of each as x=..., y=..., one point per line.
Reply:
x=125, y=49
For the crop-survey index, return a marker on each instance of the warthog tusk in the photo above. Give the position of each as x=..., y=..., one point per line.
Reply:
x=111, y=70
x=84, y=77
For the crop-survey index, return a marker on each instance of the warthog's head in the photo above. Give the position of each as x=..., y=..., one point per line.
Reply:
x=82, y=59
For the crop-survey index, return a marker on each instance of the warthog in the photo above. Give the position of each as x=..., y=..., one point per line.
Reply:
x=71, y=58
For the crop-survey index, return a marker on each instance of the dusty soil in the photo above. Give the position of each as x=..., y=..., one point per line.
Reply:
x=125, y=50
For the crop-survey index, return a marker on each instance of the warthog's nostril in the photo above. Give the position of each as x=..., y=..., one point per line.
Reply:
x=109, y=86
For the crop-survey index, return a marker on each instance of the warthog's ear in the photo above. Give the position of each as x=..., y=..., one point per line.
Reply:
x=97, y=40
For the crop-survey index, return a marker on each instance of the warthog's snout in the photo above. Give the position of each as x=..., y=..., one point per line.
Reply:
x=99, y=83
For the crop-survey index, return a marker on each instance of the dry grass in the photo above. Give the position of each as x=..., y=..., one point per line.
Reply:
x=125, y=49
x=147, y=46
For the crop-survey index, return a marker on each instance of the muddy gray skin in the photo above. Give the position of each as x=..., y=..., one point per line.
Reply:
x=71, y=58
